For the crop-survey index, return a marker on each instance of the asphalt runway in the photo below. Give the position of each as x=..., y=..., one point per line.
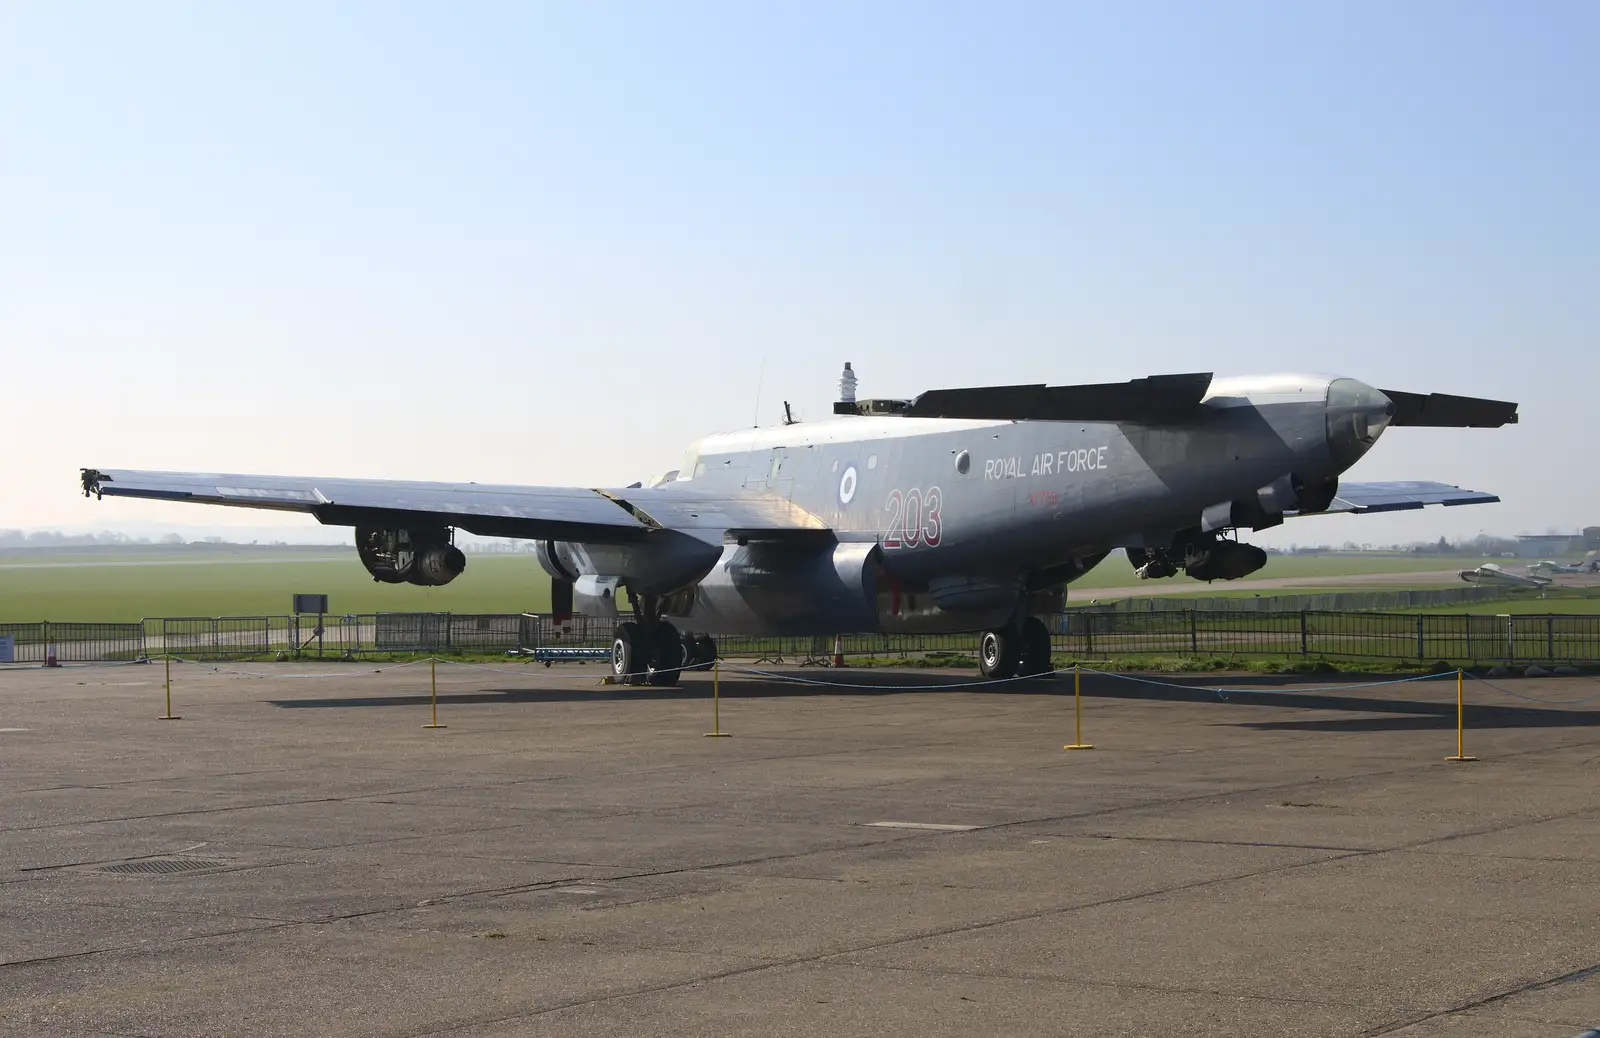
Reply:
x=569, y=859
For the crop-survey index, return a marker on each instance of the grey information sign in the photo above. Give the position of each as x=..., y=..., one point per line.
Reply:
x=311, y=603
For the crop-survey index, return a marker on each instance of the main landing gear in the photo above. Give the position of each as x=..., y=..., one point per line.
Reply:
x=1016, y=650
x=650, y=651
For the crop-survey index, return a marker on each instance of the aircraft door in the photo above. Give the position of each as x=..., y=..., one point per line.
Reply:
x=779, y=475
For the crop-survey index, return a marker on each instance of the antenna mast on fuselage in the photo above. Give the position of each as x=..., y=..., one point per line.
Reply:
x=848, y=404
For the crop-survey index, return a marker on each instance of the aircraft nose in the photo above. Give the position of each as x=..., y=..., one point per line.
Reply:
x=1357, y=414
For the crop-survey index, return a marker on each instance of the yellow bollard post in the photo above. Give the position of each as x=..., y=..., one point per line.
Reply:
x=1077, y=713
x=716, y=703
x=169, y=715
x=1461, y=722
x=433, y=680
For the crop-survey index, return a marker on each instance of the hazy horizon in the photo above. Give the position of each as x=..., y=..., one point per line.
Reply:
x=554, y=245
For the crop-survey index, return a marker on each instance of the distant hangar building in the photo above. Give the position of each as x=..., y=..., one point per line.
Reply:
x=1551, y=545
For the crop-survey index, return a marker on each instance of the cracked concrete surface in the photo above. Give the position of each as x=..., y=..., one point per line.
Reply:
x=567, y=859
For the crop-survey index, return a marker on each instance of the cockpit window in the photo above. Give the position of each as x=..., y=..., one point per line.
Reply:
x=692, y=465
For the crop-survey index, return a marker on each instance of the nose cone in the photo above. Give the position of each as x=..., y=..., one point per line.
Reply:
x=1357, y=416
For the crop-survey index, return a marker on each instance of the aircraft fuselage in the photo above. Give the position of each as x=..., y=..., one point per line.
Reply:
x=966, y=518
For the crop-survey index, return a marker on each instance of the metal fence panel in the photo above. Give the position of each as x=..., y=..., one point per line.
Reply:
x=217, y=635
x=27, y=641
x=1514, y=638
x=484, y=632
x=1338, y=601
x=76, y=642
x=411, y=632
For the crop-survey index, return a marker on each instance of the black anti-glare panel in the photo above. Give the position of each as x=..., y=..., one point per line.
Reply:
x=1156, y=400
x=1443, y=411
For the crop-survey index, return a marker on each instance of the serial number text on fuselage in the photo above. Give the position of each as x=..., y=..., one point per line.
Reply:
x=1047, y=464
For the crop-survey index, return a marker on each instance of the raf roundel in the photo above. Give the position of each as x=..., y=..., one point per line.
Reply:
x=847, y=485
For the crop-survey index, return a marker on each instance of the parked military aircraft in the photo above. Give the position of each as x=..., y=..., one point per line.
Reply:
x=959, y=510
x=1547, y=568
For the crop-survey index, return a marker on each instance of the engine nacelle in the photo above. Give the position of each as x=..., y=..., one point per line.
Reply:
x=1225, y=560
x=758, y=587
x=595, y=596
x=422, y=556
x=556, y=559
x=665, y=562
x=437, y=565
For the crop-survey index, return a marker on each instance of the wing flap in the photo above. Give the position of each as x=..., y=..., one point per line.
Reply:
x=1361, y=498
x=750, y=513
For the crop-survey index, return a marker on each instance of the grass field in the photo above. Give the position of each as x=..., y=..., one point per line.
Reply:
x=199, y=580
x=1573, y=602
x=248, y=582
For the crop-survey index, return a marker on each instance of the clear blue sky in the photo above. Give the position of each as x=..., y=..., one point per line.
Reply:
x=552, y=244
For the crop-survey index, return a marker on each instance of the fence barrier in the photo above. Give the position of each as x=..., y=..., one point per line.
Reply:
x=75, y=642
x=1330, y=602
x=1079, y=634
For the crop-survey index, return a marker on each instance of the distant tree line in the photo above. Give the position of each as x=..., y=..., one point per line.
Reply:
x=55, y=538
x=110, y=538
x=1483, y=544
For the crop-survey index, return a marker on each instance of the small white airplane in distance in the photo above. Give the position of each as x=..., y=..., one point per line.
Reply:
x=1489, y=573
x=1547, y=568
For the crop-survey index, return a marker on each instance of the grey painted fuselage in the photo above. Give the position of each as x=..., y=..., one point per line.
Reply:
x=983, y=511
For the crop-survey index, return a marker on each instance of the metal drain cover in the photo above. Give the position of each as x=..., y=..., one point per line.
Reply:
x=160, y=866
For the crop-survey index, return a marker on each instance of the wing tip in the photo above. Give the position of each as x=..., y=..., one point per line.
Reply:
x=91, y=480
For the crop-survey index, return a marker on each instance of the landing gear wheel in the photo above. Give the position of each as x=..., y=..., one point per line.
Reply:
x=668, y=659
x=698, y=651
x=627, y=661
x=1035, y=647
x=997, y=654
x=705, y=652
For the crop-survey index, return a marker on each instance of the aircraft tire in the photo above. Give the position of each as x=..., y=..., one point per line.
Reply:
x=1035, y=647
x=705, y=651
x=626, y=657
x=997, y=654
x=668, y=657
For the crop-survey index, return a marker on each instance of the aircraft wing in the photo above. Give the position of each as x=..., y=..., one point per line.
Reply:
x=600, y=516
x=1154, y=400
x=1445, y=411
x=1360, y=498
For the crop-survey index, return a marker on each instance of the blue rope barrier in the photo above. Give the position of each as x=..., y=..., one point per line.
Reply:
x=1288, y=691
x=289, y=677
x=1534, y=699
